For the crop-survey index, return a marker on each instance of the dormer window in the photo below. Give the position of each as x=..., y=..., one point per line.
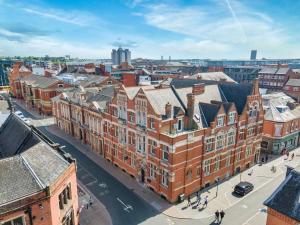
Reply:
x=231, y=118
x=220, y=121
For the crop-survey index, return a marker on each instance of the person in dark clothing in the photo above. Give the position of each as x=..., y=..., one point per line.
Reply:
x=222, y=214
x=189, y=201
x=217, y=215
x=267, y=157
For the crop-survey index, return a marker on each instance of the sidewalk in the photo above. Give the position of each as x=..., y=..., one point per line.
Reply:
x=95, y=214
x=260, y=176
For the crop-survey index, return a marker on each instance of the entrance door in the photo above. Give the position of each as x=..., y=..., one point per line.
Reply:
x=142, y=175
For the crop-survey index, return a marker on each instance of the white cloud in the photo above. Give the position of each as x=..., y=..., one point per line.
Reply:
x=41, y=46
x=225, y=23
x=79, y=18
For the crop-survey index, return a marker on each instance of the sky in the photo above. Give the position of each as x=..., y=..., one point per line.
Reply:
x=215, y=29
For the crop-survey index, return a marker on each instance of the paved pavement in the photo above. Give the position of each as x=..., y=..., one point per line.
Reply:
x=92, y=211
x=123, y=196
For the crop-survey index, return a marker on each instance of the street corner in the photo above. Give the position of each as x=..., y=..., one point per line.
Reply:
x=90, y=209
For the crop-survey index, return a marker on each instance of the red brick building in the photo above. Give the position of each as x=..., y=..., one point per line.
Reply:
x=175, y=139
x=14, y=75
x=37, y=92
x=292, y=88
x=283, y=205
x=274, y=78
x=38, y=181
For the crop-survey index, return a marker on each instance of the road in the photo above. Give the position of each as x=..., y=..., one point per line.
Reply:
x=126, y=208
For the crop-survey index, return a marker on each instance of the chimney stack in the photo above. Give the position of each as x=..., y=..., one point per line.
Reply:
x=255, y=87
x=198, y=89
x=190, y=109
x=168, y=109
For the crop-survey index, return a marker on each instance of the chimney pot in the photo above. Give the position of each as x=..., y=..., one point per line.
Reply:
x=198, y=89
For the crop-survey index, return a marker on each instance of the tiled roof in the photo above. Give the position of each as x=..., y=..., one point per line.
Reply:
x=28, y=164
x=286, y=198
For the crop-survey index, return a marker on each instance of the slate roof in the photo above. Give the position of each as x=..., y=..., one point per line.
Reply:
x=293, y=82
x=273, y=114
x=158, y=99
x=236, y=93
x=183, y=83
x=268, y=70
x=282, y=70
x=28, y=164
x=286, y=198
x=39, y=81
x=208, y=112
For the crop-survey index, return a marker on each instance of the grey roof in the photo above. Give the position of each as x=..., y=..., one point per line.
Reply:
x=282, y=70
x=208, y=112
x=158, y=99
x=16, y=180
x=286, y=198
x=28, y=163
x=183, y=83
x=236, y=93
x=268, y=70
x=39, y=81
x=216, y=76
x=293, y=82
x=92, y=80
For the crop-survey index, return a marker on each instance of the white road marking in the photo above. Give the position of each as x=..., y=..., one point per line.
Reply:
x=127, y=208
x=102, y=185
x=170, y=222
x=247, y=221
x=226, y=197
x=245, y=207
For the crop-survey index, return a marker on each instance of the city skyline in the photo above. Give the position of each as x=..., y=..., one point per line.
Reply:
x=150, y=29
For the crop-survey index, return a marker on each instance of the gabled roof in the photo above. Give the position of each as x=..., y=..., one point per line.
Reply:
x=286, y=198
x=28, y=163
x=236, y=93
x=273, y=114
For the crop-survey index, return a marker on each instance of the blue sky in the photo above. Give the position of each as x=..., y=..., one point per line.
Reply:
x=177, y=28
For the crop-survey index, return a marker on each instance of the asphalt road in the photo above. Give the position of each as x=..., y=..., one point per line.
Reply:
x=126, y=208
x=123, y=205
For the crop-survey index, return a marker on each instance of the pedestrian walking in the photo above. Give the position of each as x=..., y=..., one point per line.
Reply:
x=267, y=157
x=262, y=160
x=217, y=216
x=222, y=214
x=293, y=155
x=189, y=201
x=205, y=201
x=198, y=198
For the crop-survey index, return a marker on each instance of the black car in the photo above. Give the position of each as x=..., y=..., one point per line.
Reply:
x=243, y=188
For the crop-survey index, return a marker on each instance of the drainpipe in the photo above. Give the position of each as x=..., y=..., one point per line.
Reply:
x=29, y=211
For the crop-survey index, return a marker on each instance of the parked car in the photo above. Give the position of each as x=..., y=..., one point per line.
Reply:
x=26, y=120
x=243, y=188
x=19, y=113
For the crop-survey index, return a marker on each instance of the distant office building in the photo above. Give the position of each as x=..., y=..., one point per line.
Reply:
x=242, y=74
x=253, y=54
x=120, y=56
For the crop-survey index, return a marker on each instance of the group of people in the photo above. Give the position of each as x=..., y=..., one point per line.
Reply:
x=219, y=216
x=205, y=202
